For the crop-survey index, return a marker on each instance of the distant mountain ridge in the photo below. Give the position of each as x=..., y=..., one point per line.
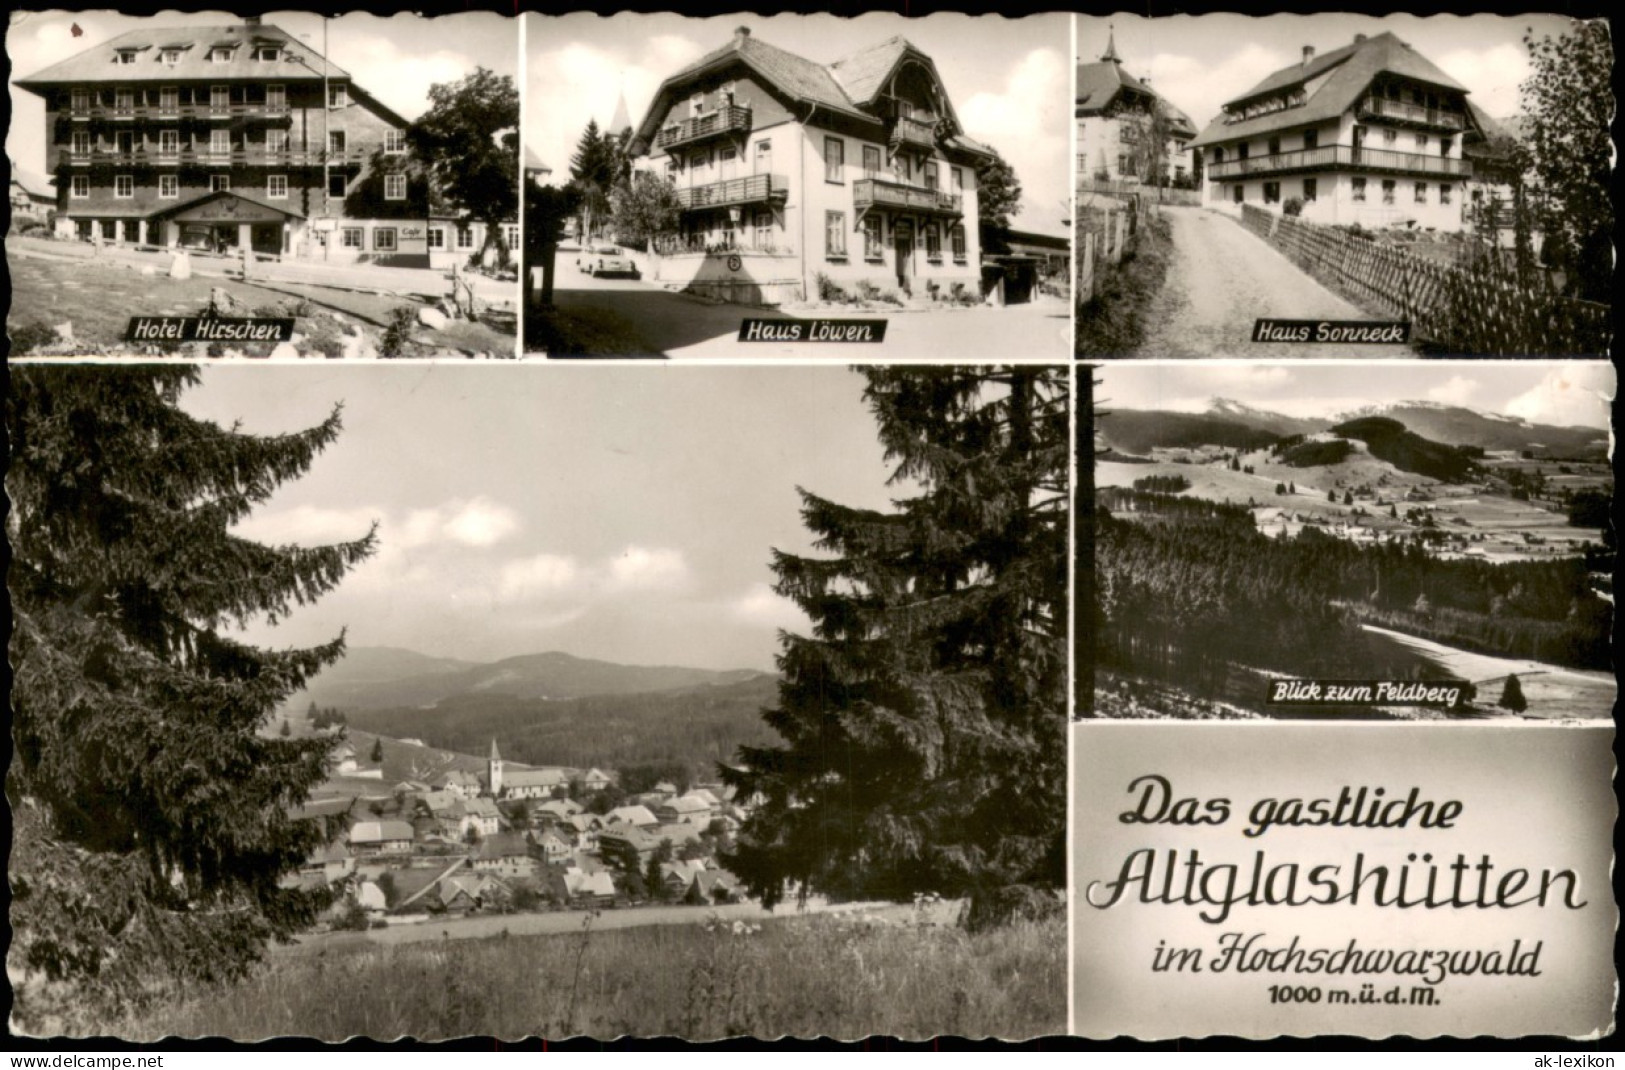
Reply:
x=1233, y=424
x=391, y=677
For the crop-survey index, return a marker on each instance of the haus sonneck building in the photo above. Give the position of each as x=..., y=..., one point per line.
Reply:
x=1371, y=133
x=225, y=137
x=858, y=170
x=1114, y=112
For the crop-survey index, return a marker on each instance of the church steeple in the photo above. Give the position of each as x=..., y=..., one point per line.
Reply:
x=1110, y=55
x=493, y=768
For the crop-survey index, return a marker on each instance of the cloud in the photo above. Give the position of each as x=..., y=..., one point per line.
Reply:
x=1493, y=75
x=1568, y=395
x=761, y=606
x=1457, y=390
x=308, y=525
x=479, y=523
x=640, y=568
x=542, y=574
x=402, y=79
x=1025, y=123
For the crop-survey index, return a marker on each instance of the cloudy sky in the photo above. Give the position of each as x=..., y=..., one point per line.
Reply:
x=623, y=513
x=1561, y=393
x=1200, y=61
x=396, y=59
x=1008, y=79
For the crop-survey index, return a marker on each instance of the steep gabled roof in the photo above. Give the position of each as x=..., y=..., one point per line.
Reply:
x=1100, y=83
x=1347, y=71
x=96, y=63
x=848, y=86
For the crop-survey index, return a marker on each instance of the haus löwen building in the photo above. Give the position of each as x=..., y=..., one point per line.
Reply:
x=787, y=170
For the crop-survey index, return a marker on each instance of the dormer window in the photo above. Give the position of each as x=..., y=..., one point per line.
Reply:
x=696, y=103
x=171, y=56
x=125, y=55
x=267, y=54
x=221, y=55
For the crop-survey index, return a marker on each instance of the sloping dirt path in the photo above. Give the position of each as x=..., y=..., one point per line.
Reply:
x=1222, y=279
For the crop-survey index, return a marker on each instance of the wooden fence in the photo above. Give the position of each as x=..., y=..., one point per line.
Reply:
x=1106, y=228
x=1481, y=310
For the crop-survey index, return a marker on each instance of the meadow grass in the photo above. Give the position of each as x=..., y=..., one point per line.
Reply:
x=845, y=976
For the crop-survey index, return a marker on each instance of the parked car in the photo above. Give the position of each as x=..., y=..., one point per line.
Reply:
x=608, y=260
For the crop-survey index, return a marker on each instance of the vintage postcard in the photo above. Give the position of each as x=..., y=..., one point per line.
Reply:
x=286, y=185
x=871, y=188
x=1339, y=185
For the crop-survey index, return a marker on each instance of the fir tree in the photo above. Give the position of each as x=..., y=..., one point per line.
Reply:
x=149, y=794
x=377, y=751
x=599, y=165
x=923, y=718
x=1512, y=696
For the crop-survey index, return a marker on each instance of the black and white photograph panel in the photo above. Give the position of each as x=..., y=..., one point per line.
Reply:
x=744, y=187
x=445, y=701
x=1338, y=185
x=286, y=185
x=1433, y=541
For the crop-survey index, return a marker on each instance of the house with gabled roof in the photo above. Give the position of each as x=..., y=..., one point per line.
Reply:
x=228, y=137
x=381, y=837
x=713, y=886
x=1370, y=133
x=637, y=816
x=505, y=854
x=790, y=169
x=1115, y=113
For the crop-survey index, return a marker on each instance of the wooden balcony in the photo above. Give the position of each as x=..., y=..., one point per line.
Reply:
x=914, y=135
x=752, y=189
x=898, y=196
x=1395, y=111
x=174, y=112
x=733, y=119
x=1341, y=158
x=193, y=156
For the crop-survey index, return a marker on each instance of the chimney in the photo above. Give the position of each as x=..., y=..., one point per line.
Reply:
x=1308, y=54
x=1359, y=38
x=253, y=22
x=742, y=31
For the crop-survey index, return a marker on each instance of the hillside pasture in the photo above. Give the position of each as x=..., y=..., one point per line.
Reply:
x=894, y=971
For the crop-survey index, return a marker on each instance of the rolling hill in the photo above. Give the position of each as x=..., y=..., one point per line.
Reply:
x=385, y=678
x=698, y=726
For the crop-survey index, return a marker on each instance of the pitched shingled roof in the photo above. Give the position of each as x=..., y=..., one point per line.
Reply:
x=848, y=86
x=97, y=63
x=1100, y=83
x=1348, y=72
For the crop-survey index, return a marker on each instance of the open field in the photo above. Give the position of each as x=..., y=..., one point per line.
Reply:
x=1497, y=527
x=1554, y=693
x=891, y=972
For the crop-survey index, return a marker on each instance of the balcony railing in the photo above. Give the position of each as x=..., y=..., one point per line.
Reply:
x=126, y=112
x=729, y=120
x=1399, y=111
x=204, y=156
x=752, y=189
x=914, y=134
x=882, y=193
x=1341, y=157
